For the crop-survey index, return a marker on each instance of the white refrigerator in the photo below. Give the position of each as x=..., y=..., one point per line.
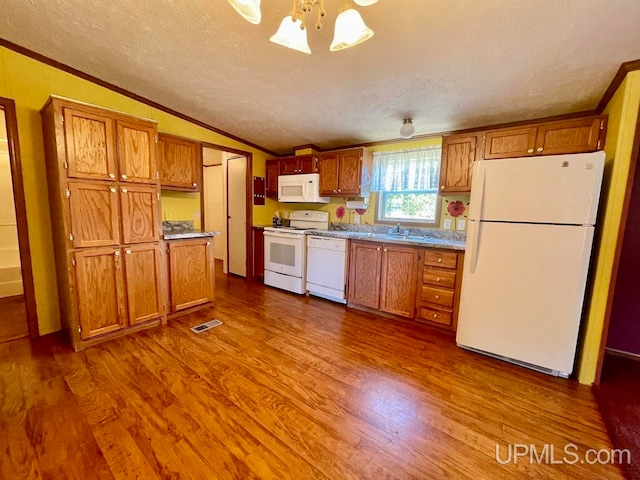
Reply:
x=529, y=239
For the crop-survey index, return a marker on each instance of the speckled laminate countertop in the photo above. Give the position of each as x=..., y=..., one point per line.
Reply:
x=187, y=233
x=413, y=240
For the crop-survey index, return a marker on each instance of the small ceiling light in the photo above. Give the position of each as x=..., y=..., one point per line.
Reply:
x=350, y=29
x=249, y=9
x=407, y=129
x=292, y=34
x=365, y=3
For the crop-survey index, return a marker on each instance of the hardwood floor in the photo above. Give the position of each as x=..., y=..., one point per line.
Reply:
x=13, y=318
x=287, y=387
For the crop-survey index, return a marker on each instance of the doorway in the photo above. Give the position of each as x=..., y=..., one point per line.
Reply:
x=17, y=302
x=226, y=205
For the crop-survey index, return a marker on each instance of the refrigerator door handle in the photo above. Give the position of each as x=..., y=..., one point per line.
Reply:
x=473, y=254
x=480, y=195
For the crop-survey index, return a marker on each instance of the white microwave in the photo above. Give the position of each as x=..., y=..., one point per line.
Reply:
x=304, y=188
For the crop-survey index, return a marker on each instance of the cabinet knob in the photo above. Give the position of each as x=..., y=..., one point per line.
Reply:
x=123, y=176
x=540, y=149
x=117, y=253
x=208, y=243
x=385, y=249
x=112, y=190
x=437, y=279
x=439, y=259
x=441, y=187
x=437, y=297
x=339, y=191
x=195, y=184
x=530, y=150
x=378, y=249
x=435, y=315
x=335, y=191
x=127, y=251
x=124, y=190
x=112, y=175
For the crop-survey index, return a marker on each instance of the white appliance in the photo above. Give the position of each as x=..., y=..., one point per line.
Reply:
x=529, y=238
x=285, y=250
x=327, y=267
x=304, y=188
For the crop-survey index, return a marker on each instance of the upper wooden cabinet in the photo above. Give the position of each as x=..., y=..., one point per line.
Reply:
x=90, y=142
x=191, y=276
x=137, y=151
x=345, y=173
x=139, y=214
x=576, y=135
x=273, y=171
x=180, y=163
x=456, y=167
x=93, y=209
x=299, y=164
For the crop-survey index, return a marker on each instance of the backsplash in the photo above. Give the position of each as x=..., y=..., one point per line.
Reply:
x=379, y=228
x=173, y=225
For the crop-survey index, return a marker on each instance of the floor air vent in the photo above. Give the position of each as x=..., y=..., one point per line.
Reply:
x=206, y=326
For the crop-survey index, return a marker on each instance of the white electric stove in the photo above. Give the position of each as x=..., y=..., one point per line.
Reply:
x=285, y=250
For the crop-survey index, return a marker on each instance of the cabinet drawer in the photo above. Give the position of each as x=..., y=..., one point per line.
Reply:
x=440, y=259
x=437, y=316
x=438, y=296
x=440, y=278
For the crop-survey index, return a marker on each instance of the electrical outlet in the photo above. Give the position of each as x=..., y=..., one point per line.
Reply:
x=461, y=224
x=356, y=219
x=196, y=215
x=167, y=215
x=446, y=224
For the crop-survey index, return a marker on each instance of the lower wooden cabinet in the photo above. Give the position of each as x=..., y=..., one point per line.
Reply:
x=191, y=273
x=382, y=277
x=117, y=288
x=257, y=264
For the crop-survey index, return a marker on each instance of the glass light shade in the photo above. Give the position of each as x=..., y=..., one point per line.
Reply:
x=350, y=30
x=249, y=9
x=407, y=129
x=365, y=3
x=291, y=35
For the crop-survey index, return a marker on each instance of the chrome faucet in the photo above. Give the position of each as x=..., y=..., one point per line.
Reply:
x=397, y=228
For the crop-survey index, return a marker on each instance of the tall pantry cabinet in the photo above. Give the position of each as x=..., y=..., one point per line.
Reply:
x=104, y=197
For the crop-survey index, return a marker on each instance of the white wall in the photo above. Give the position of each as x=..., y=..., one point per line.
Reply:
x=215, y=208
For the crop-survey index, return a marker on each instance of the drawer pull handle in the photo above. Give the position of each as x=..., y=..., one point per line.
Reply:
x=435, y=315
x=530, y=150
x=437, y=297
x=437, y=279
x=540, y=149
x=439, y=259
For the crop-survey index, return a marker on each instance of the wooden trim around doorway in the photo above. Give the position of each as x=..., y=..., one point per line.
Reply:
x=620, y=239
x=9, y=108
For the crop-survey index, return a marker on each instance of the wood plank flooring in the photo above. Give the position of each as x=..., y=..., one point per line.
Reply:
x=287, y=387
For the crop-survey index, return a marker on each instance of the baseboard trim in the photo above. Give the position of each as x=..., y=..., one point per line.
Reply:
x=622, y=353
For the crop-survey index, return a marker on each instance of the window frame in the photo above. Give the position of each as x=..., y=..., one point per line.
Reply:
x=383, y=219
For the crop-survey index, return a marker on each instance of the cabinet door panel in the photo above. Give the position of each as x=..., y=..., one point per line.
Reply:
x=571, y=136
x=94, y=214
x=273, y=171
x=364, y=274
x=328, y=170
x=289, y=166
x=191, y=273
x=308, y=164
x=98, y=274
x=179, y=163
x=143, y=276
x=458, y=155
x=512, y=142
x=140, y=218
x=137, y=152
x=90, y=145
x=349, y=175
x=398, y=290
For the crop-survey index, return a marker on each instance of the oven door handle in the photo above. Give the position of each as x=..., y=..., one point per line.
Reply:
x=283, y=235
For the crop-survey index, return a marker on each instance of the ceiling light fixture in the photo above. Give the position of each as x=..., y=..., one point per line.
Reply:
x=407, y=129
x=350, y=29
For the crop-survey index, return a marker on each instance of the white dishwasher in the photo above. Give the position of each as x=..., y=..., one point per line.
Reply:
x=327, y=267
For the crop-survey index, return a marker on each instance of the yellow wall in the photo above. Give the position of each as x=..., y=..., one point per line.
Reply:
x=29, y=83
x=369, y=216
x=623, y=113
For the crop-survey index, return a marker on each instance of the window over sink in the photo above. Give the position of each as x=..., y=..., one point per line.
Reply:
x=407, y=185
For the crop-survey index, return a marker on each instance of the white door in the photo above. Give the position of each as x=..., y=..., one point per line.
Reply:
x=523, y=289
x=237, y=214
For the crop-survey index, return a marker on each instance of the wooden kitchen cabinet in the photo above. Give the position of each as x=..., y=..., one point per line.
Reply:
x=345, y=173
x=191, y=273
x=91, y=147
x=257, y=238
x=576, y=135
x=143, y=280
x=298, y=164
x=180, y=163
x=137, y=151
x=398, y=281
x=272, y=174
x=438, y=294
x=365, y=261
x=456, y=166
x=105, y=217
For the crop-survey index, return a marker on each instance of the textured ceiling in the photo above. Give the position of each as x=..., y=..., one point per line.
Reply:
x=448, y=64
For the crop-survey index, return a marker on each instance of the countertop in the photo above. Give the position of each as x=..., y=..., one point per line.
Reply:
x=188, y=233
x=417, y=241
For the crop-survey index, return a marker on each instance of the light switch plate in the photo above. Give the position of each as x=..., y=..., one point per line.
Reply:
x=447, y=224
x=461, y=224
